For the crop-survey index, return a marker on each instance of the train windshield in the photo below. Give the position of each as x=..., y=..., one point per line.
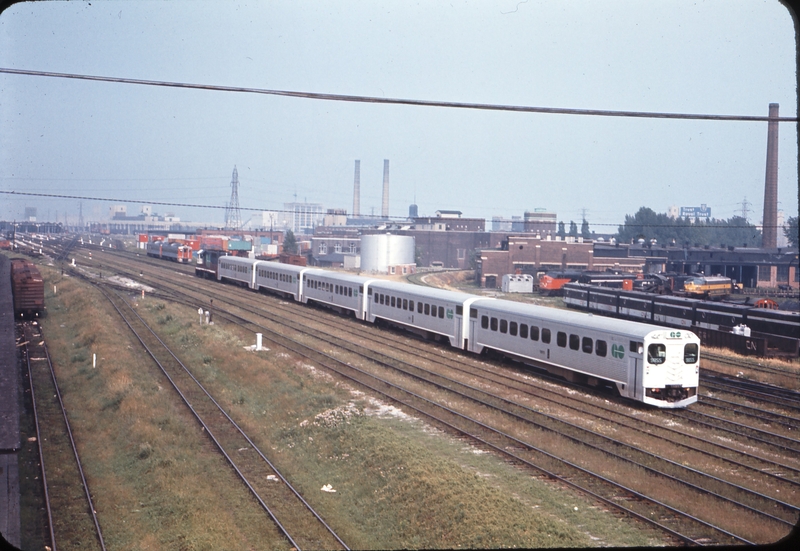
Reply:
x=656, y=354
x=690, y=353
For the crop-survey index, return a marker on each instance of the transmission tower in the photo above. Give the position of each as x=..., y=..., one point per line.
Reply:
x=745, y=204
x=233, y=218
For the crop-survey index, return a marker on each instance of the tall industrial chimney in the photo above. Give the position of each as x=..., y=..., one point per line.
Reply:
x=769, y=234
x=385, y=207
x=357, y=190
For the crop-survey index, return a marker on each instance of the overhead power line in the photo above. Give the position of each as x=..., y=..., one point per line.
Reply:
x=401, y=101
x=262, y=209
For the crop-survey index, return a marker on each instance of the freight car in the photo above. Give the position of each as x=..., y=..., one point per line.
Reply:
x=27, y=287
x=640, y=361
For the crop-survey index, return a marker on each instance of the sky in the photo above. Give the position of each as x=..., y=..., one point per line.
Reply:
x=106, y=140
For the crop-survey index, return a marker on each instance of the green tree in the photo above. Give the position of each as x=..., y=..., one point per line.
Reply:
x=573, y=229
x=290, y=243
x=647, y=224
x=585, y=233
x=561, y=231
x=790, y=231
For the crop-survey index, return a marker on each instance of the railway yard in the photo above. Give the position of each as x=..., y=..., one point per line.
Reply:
x=153, y=421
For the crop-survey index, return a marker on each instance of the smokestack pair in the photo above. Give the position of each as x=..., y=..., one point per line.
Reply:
x=357, y=190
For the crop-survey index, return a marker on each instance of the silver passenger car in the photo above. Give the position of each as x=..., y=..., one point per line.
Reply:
x=343, y=292
x=424, y=310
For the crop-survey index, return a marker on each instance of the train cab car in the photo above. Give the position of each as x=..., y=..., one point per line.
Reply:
x=430, y=312
x=207, y=263
x=284, y=279
x=235, y=269
x=646, y=363
x=345, y=293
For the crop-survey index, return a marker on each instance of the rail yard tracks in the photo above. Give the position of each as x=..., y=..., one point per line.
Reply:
x=76, y=525
x=462, y=424
x=291, y=513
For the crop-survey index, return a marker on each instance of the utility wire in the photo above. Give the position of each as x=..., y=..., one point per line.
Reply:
x=377, y=218
x=400, y=101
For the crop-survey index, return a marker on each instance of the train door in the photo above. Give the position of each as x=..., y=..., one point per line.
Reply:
x=635, y=388
x=458, y=340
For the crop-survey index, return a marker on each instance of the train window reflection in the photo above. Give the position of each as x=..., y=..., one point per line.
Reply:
x=690, y=352
x=656, y=354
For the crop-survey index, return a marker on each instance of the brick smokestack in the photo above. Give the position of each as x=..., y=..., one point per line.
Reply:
x=769, y=234
x=385, y=207
x=357, y=190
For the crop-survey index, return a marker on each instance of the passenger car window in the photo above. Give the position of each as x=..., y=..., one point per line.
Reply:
x=690, y=353
x=427, y=309
x=503, y=326
x=512, y=328
x=546, y=336
x=561, y=339
x=656, y=354
x=484, y=322
x=601, y=348
x=523, y=330
x=535, y=333
x=574, y=342
x=419, y=307
x=494, y=324
x=587, y=345
x=441, y=311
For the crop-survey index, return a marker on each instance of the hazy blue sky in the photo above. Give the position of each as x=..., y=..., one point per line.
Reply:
x=73, y=137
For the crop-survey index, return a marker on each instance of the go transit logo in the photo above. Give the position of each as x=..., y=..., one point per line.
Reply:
x=618, y=351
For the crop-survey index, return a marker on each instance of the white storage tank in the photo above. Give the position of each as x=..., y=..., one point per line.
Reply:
x=381, y=252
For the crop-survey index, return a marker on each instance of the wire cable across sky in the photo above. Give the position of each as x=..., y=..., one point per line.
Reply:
x=401, y=101
x=263, y=209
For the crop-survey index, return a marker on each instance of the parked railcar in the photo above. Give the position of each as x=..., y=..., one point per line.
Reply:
x=170, y=251
x=646, y=363
x=343, y=292
x=433, y=313
x=27, y=286
x=774, y=322
x=708, y=286
x=673, y=311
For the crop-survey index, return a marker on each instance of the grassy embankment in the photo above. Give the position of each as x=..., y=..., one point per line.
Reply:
x=158, y=484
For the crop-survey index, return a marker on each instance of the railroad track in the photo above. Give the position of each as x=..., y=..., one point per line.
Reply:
x=471, y=432
x=303, y=527
x=76, y=525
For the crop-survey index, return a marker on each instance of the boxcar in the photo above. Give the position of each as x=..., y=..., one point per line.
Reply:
x=27, y=287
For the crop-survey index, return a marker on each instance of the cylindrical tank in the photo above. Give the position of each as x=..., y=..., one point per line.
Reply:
x=380, y=251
